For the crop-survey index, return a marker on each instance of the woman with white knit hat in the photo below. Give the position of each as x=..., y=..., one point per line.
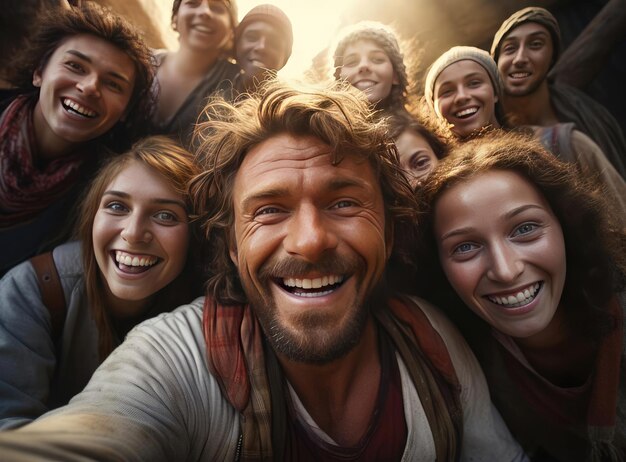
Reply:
x=463, y=91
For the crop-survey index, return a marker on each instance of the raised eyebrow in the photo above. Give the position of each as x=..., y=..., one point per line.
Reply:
x=86, y=58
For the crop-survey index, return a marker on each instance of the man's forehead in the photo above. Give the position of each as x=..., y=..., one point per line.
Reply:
x=262, y=25
x=525, y=29
x=290, y=155
x=288, y=147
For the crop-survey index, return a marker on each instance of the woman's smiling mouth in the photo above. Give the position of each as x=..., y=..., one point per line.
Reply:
x=518, y=298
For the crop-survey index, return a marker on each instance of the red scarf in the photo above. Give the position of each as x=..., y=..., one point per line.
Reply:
x=246, y=374
x=26, y=190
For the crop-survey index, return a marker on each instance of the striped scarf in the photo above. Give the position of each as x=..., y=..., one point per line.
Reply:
x=249, y=376
x=26, y=190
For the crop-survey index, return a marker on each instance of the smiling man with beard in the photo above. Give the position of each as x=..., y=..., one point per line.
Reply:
x=304, y=347
x=526, y=47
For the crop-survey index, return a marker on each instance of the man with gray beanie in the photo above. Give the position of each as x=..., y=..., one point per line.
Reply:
x=526, y=47
x=263, y=43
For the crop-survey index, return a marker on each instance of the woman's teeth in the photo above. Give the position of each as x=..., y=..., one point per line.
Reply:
x=521, y=298
x=130, y=260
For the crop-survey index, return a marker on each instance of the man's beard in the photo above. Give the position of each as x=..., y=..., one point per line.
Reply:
x=534, y=86
x=314, y=341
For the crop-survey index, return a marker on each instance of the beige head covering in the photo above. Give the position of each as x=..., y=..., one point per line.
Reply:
x=530, y=14
x=461, y=53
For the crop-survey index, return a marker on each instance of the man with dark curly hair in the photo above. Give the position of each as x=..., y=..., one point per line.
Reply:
x=82, y=85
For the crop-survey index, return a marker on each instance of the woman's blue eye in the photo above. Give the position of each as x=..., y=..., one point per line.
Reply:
x=525, y=229
x=464, y=248
x=166, y=216
x=116, y=207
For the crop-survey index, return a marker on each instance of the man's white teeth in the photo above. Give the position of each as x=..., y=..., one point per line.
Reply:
x=130, y=260
x=466, y=112
x=520, y=75
x=521, y=298
x=316, y=283
x=78, y=108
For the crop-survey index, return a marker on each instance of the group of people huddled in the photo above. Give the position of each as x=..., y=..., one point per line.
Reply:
x=201, y=262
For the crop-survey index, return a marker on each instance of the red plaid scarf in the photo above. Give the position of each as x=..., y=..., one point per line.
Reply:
x=236, y=358
x=26, y=190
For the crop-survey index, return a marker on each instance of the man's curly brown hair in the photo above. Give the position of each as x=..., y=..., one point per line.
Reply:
x=336, y=114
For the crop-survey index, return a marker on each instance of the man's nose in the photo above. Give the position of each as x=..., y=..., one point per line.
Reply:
x=89, y=85
x=309, y=234
x=520, y=56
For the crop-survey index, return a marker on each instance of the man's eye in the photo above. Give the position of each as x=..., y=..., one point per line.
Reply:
x=252, y=36
x=115, y=86
x=74, y=66
x=508, y=49
x=268, y=211
x=343, y=204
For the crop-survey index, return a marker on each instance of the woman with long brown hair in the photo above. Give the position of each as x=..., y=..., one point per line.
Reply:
x=131, y=263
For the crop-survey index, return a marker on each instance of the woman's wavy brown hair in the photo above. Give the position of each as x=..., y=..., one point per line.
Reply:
x=595, y=244
x=177, y=165
x=336, y=114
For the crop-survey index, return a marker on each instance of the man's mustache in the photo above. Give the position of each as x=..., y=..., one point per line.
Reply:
x=293, y=267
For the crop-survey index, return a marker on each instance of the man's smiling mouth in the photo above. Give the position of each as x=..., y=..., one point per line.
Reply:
x=311, y=287
x=75, y=108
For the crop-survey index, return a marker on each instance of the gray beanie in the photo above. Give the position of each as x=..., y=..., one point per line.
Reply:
x=453, y=55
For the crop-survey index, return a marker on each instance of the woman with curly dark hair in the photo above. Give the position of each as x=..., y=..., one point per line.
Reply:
x=527, y=245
